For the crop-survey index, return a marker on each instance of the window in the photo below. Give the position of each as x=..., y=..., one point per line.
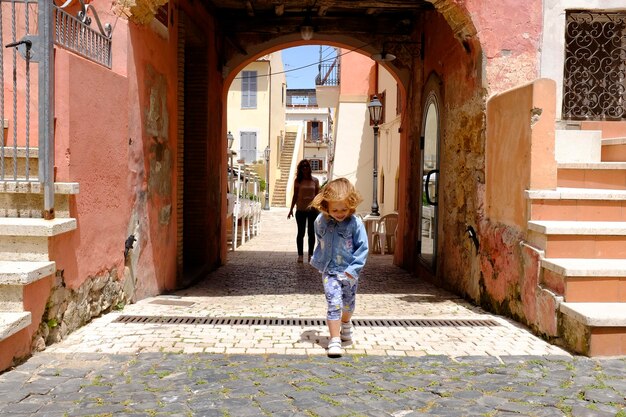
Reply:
x=314, y=131
x=593, y=82
x=248, y=89
x=247, y=149
x=316, y=164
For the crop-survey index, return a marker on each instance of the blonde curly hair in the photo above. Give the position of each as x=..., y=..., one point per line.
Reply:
x=339, y=189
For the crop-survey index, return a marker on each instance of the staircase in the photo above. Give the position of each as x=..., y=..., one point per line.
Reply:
x=581, y=227
x=24, y=258
x=279, y=196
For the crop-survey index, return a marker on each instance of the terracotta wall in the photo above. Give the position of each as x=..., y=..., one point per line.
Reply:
x=91, y=148
x=16, y=128
x=481, y=49
x=117, y=135
x=519, y=156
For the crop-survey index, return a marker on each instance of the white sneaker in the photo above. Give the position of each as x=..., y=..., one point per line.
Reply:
x=346, y=332
x=334, y=348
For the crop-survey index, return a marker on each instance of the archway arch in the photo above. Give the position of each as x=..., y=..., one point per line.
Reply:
x=446, y=26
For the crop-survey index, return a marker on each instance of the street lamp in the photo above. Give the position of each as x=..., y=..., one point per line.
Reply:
x=375, y=108
x=230, y=139
x=229, y=154
x=267, y=177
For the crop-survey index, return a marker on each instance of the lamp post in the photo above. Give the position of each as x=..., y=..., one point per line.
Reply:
x=267, y=177
x=230, y=139
x=375, y=108
x=229, y=142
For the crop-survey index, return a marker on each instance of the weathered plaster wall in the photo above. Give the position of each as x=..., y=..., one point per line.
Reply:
x=520, y=156
x=91, y=149
x=502, y=53
x=116, y=135
x=461, y=180
x=151, y=159
x=510, y=36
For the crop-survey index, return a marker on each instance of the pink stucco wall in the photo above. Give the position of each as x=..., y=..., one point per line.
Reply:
x=509, y=33
x=152, y=158
x=358, y=83
x=519, y=155
x=519, y=150
x=92, y=149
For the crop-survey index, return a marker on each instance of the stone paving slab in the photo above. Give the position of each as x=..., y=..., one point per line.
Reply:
x=165, y=384
x=262, y=279
x=109, y=368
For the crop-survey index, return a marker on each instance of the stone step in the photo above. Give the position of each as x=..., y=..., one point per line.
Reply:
x=577, y=204
x=25, y=199
x=614, y=150
x=13, y=322
x=586, y=280
x=23, y=273
x=577, y=145
x=579, y=239
x=18, y=158
x=595, y=329
x=605, y=175
x=26, y=239
x=35, y=227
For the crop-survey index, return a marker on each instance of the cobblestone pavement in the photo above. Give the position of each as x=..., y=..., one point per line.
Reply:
x=437, y=368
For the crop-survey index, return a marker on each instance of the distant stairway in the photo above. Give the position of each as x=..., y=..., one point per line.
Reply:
x=581, y=226
x=24, y=258
x=279, y=196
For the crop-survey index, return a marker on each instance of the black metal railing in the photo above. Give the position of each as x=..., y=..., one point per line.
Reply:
x=301, y=98
x=594, y=85
x=328, y=74
x=76, y=35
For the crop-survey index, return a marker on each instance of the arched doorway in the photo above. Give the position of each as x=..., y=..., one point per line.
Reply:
x=429, y=166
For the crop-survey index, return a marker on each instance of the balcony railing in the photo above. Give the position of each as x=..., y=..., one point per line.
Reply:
x=328, y=74
x=305, y=98
x=316, y=139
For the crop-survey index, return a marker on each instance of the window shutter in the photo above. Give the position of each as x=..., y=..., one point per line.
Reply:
x=248, y=89
x=247, y=149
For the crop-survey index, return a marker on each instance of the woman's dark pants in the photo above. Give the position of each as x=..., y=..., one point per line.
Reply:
x=302, y=217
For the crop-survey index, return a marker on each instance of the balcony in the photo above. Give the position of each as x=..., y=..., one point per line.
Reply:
x=305, y=98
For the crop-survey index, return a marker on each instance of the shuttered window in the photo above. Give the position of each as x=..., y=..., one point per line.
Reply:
x=248, y=89
x=247, y=149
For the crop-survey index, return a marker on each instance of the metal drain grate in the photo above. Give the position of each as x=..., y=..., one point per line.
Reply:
x=270, y=321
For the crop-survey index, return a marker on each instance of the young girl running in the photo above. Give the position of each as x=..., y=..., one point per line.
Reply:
x=340, y=255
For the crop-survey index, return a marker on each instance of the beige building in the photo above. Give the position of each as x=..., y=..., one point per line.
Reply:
x=256, y=112
x=354, y=149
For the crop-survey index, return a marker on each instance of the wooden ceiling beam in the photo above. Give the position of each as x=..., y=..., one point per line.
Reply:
x=249, y=8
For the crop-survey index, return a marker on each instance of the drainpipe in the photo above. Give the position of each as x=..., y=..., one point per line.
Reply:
x=375, y=77
x=269, y=130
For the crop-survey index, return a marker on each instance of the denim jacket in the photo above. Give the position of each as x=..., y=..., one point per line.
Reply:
x=342, y=247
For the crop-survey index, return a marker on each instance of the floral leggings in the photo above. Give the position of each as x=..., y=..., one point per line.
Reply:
x=340, y=294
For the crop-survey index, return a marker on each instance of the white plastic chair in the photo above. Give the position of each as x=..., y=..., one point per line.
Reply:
x=385, y=234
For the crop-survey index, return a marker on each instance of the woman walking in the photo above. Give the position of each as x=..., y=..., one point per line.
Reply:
x=305, y=188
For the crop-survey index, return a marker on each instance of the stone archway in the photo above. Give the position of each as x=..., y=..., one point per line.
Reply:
x=445, y=25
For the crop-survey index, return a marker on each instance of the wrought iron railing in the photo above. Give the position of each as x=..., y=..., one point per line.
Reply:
x=76, y=35
x=328, y=74
x=594, y=84
x=26, y=39
x=301, y=98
